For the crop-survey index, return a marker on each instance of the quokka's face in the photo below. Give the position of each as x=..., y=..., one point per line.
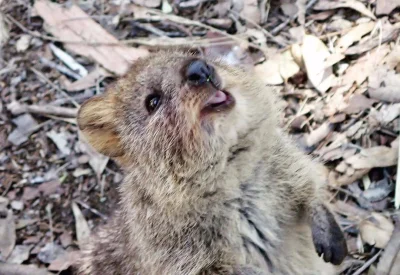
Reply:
x=175, y=109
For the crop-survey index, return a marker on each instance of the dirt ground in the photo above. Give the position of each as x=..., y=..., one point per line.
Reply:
x=337, y=63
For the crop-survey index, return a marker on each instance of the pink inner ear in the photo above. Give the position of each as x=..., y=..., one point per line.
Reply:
x=217, y=98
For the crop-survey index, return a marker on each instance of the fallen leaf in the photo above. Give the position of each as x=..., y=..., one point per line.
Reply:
x=301, y=5
x=389, y=33
x=62, y=24
x=365, y=66
x=81, y=172
x=314, y=54
x=50, y=187
x=287, y=66
x=17, y=205
x=61, y=141
x=26, y=125
x=391, y=253
x=65, y=239
x=354, y=128
x=4, y=32
x=7, y=233
x=251, y=11
x=69, y=61
x=97, y=161
x=22, y=223
x=387, y=113
x=81, y=225
x=352, y=4
x=354, y=35
x=384, y=85
x=88, y=81
x=30, y=193
x=358, y=103
x=385, y=7
x=269, y=71
x=338, y=180
x=50, y=252
x=23, y=43
x=20, y=254
x=378, y=191
x=16, y=269
x=377, y=230
x=64, y=261
x=289, y=9
x=317, y=135
x=378, y=156
x=148, y=3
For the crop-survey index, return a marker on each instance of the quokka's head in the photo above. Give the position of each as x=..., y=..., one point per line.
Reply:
x=176, y=111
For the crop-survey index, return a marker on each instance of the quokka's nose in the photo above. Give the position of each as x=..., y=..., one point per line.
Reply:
x=199, y=72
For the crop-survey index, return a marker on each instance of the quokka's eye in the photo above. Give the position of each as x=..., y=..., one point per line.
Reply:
x=152, y=102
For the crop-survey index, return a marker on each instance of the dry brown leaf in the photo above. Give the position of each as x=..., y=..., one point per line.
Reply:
x=387, y=113
x=287, y=65
x=301, y=5
x=317, y=135
x=26, y=125
x=391, y=253
x=20, y=254
x=64, y=261
x=384, y=7
x=61, y=141
x=338, y=180
x=377, y=230
x=269, y=71
x=378, y=156
x=289, y=9
x=358, y=103
x=314, y=54
x=389, y=33
x=333, y=59
x=81, y=225
x=148, y=3
x=352, y=4
x=62, y=23
x=23, y=43
x=251, y=11
x=7, y=233
x=97, y=161
x=87, y=81
x=16, y=269
x=384, y=85
x=354, y=35
x=365, y=66
x=4, y=33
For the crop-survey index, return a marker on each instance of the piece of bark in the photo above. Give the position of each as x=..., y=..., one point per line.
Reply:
x=88, y=36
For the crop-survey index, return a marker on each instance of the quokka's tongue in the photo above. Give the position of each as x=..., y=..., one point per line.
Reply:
x=218, y=98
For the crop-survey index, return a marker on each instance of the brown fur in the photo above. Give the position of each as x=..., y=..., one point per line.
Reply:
x=222, y=194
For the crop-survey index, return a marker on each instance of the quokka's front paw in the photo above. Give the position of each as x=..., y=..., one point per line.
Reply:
x=328, y=238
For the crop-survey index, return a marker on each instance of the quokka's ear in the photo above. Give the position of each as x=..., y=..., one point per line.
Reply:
x=97, y=122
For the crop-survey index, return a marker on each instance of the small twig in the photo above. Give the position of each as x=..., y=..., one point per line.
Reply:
x=17, y=108
x=61, y=68
x=277, y=29
x=397, y=191
x=49, y=214
x=368, y=263
x=264, y=31
x=185, y=21
x=94, y=211
x=42, y=76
